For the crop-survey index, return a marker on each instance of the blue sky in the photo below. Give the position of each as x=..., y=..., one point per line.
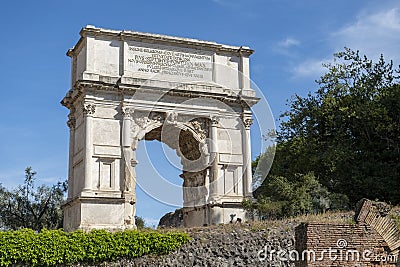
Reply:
x=291, y=40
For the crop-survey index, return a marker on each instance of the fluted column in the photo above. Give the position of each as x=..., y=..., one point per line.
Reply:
x=71, y=124
x=88, y=111
x=247, y=175
x=214, y=156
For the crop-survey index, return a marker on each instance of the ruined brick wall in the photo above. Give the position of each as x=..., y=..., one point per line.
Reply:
x=376, y=214
x=342, y=245
x=374, y=240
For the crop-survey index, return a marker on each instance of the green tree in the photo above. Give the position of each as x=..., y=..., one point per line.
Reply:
x=262, y=165
x=278, y=197
x=32, y=207
x=348, y=132
x=140, y=223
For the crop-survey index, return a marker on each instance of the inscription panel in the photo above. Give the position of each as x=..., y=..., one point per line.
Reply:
x=169, y=63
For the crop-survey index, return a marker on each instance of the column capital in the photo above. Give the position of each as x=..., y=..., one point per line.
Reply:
x=247, y=121
x=172, y=117
x=214, y=120
x=126, y=111
x=89, y=109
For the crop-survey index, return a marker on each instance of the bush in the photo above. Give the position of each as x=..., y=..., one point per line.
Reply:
x=52, y=247
x=396, y=218
x=280, y=197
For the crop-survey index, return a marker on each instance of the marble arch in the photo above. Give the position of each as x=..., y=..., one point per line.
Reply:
x=192, y=95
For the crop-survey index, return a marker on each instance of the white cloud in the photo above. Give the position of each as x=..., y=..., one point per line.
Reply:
x=372, y=34
x=285, y=47
x=288, y=42
x=310, y=68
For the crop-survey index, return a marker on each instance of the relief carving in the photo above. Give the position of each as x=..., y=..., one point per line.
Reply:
x=200, y=127
x=142, y=120
x=71, y=121
x=147, y=119
x=157, y=116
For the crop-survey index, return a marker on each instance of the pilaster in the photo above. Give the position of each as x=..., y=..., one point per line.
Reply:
x=214, y=157
x=247, y=174
x=88, y=112
x=71, y=124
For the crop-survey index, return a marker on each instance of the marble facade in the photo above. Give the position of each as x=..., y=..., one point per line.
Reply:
x=192, y=95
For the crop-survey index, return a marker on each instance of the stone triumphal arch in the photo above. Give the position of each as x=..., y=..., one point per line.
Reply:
x=192, y=95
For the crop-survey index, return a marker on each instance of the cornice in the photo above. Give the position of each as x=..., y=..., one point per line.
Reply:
x=124, y=35
x=81, y=87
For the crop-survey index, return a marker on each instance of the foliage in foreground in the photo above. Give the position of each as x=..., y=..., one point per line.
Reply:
x=33, y=207
x=51, y=247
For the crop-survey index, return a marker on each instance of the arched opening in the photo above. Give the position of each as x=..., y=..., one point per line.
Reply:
x=157, y=163
x=170, y=173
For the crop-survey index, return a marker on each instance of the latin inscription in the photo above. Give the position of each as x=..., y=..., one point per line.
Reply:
x=174, y=64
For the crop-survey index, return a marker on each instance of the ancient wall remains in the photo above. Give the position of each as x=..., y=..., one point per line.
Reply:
x=373, y=240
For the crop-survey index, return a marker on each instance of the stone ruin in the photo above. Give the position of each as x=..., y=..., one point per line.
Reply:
x=192, y=95
x=373, y=240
